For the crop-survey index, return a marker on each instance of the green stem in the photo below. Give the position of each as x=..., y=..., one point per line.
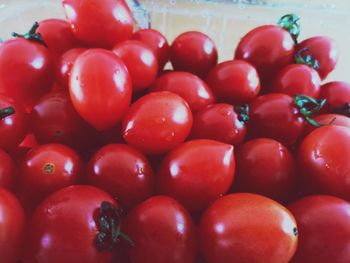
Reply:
x=303, y=56
x=5, y=112
x=32, y=35
x=243, y=113
x=291, y=23
x=309, y=107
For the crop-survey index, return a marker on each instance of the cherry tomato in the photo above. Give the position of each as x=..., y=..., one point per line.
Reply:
x=266, y=167
x=65, y=64
x=323, y=223
x=100, y=88
x=324, y=161
x=13, y=123
x=157, y=42
x=328, y=119
x=296, y=79
x=26, y=68
x=102, y=23
x=162, y=231
x=7, y=170
x=11, y=227
x=157, y=122
x=190, y=87
x=235, y=82
x=194, y=52
x=337, y=94
x=197, y=172
x=247, y=228
x=221, y=122
x=76, y=222
x=123, y=172
x=324, y=50
x=58, y=36
x=140, y=61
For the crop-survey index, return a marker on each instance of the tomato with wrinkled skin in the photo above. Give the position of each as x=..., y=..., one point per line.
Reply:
x=100, y=88
x=266, y=167
x=157, y=122
x=140, y=61
x=235, y=82
x=219, y=122
x=323, y=224
x=193, y=52
x=296, y=79
x=11, y=227
x=323, y=159
x=157, y=42
x=102, y=23
x=7, y=170
x=162, y=231
x=197, y=172
x=190, y=87
x=337, y=94
x=122, y=171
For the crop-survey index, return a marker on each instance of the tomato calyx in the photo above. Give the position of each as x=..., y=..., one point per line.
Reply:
x=291, y=23
x=303, y=56
x=309, y=107
x=295, y=232
x=6, y=112
x=110, y=228
x=243, y=113
x=49, y=168
x=342, y=109
x=32, y=35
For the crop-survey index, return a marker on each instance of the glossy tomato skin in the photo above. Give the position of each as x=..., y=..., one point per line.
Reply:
x=193, y=52
x=247, y=228
x=190, y=87
x=323, y=224
x=324, y=50
x=100, y=88
x=323, y=159
x=296, y=79
x=122, y=171
x=275, y=116
x=235, y=82
x=328, y=119
x=11, y=227
x=30, y=60
x=141, y=62
x=64, y=226
x=157, y=42
x=197, y=172
x=162, y=230
x=268, y=48
x=219, y=122
x=266, y=167
x=58, y=36
x=14, y=127
x=157, y=122
x=337, y=93
x=7, y=170
x=89, y=20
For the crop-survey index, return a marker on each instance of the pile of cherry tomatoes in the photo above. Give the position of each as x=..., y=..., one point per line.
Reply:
x=105, y=156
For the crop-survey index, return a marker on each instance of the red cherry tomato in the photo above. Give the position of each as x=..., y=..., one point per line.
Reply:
x=57, y=35
x=328, y=119
x=123, y=172
x=11, y=227
x=157, y=42
x=323, y=224
x=7, y=170
x=197, y=172
x=337, y=94
x=100, y=88
x=296, y=79
x=162, y=231
x=140, y=61
x=235, y=82
x=324, y=161
x=324, y=50
x=157, y=122
x=65, y=64
x=190, y=87
x=77, y=222
x=194, y=52
x=247, y=228
x=26, y=69
x=102, y=23
x=13, y=123
x=221, y=122
x=266, y=167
